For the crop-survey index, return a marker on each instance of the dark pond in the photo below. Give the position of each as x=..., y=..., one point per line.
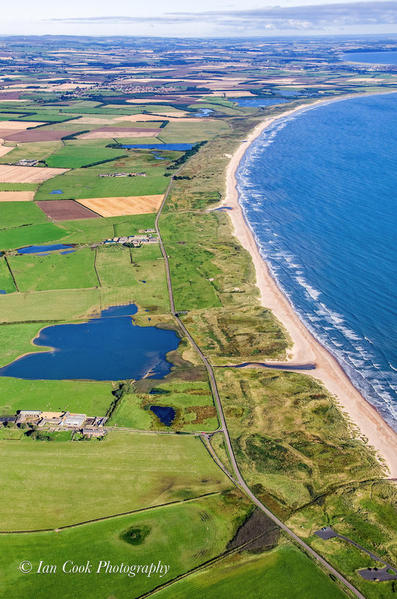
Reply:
x=164, y=413
x=2, y=292
x=109, y=347
x=38, y=249
x=56, y=191
x=158, y=147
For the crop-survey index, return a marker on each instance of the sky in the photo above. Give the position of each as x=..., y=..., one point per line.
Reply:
x=203, y=18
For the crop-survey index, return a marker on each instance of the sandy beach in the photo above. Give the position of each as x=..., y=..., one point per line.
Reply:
x=306, y=349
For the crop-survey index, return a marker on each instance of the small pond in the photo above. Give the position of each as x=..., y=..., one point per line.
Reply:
x=109, y=347
x=165, y=414
x=39, y=249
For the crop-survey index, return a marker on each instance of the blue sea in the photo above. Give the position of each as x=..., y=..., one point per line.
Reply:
x=387, y=57
x=319, y=191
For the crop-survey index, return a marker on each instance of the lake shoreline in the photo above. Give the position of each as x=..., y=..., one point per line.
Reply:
x=306, y=348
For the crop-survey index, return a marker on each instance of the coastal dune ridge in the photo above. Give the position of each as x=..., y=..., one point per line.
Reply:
x=306, y=349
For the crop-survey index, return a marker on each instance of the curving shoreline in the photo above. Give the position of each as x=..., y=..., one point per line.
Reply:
x=306, y=348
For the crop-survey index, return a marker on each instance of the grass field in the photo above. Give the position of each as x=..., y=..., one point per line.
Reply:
x=16, y=340
x=191, y=132
x=145, y=469
x=6, y=282
x=16, y=215
x=268, y=576
x=31, y=151
x=182, y=536
x=86, y=183
x=91, y=398
x=21, y=236
x=75, y=154
x=55, y=271
x=192, y=402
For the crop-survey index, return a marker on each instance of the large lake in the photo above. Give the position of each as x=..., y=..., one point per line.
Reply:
x=372, y=57
x=319, y=191
x=106, y=348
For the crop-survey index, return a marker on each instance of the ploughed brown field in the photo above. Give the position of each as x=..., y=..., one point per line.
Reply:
x=65, y=210
x=16, y=196
x=119, y=206
x=27, y=174
x=32, y=135
x=108, y=132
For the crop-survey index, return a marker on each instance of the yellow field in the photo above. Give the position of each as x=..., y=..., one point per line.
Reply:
x=16, y=196
x=116, y=133
x=119, y=206
x=27, y=174
x=5, y=149
x=18, y=125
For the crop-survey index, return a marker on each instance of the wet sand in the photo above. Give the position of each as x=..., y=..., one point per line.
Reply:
x=306, y=349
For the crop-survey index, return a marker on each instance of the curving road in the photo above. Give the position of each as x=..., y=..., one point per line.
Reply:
x=217, y=400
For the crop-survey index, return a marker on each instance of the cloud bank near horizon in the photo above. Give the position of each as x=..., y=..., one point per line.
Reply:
x=298, y=18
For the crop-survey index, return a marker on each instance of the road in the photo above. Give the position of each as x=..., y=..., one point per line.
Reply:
x=223, y=425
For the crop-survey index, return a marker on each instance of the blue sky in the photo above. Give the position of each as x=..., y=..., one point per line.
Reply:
x=198, y=18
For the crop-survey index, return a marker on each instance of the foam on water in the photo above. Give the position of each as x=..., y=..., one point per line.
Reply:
x=316, y=189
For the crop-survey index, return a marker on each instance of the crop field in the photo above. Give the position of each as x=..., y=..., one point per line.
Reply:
x=18, y=125
x=55, y=271
x=182, y=536
x=16, y=196
x=27, y=174
x=112, y=132
x=123, y=205
x=29, y=151
x=91, y=398
x=36, y=135
x=180, y=468
x=59, y=210
x=5, y=150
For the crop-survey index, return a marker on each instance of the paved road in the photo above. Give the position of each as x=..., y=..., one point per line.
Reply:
x=217, y=400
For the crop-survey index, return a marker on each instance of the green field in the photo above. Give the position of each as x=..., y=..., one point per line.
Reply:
x=272, y=575
x=21, y=236
x=6, y=282
x=182, y=536
x=17, y=214
x=86, y=183
x=190, y=132
x=31, y=151
x=192, y=402
x=75, y=154
x=17, y=339
x=91, y=398
x=55, y=271
x=75, y=481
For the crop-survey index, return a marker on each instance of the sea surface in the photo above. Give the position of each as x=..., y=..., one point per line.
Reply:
x=387, y=57
x=319, y=191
